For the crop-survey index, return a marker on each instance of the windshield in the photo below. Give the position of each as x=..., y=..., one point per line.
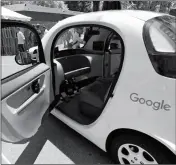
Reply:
x=162, y=33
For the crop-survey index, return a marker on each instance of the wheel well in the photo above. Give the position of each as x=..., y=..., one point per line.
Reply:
x=119, y=132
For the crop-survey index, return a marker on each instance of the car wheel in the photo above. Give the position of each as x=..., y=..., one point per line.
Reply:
x=131, y=149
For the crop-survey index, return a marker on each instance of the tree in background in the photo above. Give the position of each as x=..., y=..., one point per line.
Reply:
x=88, y=6
x=45, y=3
x=82, y=6
x=96, y=5
x=72, y=5
x=106, y=5
x=61, y=5
x=163, y=6
x=160, y=6
x=111, y=5
x=85, y=6
x=9, y=2
x=51, y=4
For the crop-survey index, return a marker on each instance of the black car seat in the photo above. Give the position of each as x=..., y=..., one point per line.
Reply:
x=92, y=97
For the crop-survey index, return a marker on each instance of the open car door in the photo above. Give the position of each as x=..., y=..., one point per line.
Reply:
x=25, y=90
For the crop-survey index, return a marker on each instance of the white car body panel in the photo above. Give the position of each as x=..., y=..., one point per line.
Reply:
x=23, y=110
x=25, y=93
x=137, y=76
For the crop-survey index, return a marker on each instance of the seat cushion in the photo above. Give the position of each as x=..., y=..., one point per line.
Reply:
x=89, y=111
x=90, y=104
x=99, y=88
x=92, y=98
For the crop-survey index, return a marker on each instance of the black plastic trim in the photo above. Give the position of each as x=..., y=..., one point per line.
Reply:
x=147, y=39
x=150, y=47
x=17, y=74
x=73, y=52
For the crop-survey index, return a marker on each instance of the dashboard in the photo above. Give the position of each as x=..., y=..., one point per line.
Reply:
x=78, y=64
x=74, y=66
x=69, y=67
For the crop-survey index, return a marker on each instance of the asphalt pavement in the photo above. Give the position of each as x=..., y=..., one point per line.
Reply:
x=55, y=143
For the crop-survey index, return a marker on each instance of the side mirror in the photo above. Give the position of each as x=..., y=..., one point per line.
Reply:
x=24, y=58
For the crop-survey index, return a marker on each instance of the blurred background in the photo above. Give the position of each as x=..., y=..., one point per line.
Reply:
x=46, y=13
x=49, y=12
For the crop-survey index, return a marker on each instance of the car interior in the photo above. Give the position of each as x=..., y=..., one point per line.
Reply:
x=84, y=76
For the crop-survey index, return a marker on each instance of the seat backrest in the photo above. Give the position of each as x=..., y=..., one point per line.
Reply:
x=115, y=63
x=115, y=49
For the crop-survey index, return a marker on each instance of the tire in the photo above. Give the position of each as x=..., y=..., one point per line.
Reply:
x=150, y=151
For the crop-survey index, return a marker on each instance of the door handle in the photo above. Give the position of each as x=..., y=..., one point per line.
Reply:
x=36, y=86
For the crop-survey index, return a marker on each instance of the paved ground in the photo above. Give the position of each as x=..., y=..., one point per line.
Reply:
x=55, y=143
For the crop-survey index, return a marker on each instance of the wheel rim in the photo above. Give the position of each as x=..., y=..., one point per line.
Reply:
x=133, y=154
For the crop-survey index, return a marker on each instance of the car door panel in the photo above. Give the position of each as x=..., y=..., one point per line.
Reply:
x=95, y=58
x=11, y=77
x=22, y=108
x=13, y=85
x=96, y=62
x=24, y=96
x=9, y=134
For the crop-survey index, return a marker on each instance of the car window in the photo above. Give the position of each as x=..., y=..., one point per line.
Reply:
x=18, y=51
x=86, y=37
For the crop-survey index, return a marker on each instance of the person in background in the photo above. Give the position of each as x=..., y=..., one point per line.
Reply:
x=157, y=8
x=167, y=10
x=39, y=30
x=77, y=38
x=21, y=40
x=44, y=31
x=69, y=38
x=32, y=38
x=87, y=34
x=66, y=39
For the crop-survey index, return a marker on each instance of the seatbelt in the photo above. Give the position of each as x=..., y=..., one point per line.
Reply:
x=107, y=64
x=75, y=43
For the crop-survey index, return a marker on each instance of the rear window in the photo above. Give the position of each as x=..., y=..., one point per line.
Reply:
x=160, y=41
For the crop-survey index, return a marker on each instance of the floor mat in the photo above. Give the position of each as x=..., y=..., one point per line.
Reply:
x=72, y=110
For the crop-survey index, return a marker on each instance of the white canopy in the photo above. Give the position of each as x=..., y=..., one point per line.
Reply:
x=11, y=15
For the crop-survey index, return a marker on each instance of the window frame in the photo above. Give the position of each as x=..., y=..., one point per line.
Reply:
x=77, y=26
x=89, y=24
x=14, y=23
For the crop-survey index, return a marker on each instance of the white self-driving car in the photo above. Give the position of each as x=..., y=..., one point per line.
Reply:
x=118, y=89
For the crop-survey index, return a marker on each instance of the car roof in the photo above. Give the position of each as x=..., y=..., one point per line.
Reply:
x=135, y=14
x=141, y=14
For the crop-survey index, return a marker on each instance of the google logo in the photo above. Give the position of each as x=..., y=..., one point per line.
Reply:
x=155, y=105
